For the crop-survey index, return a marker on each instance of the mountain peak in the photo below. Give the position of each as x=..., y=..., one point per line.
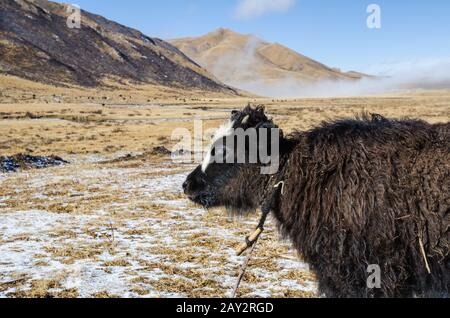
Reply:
x=224, y=31
x=237, y=59
x=223, y=34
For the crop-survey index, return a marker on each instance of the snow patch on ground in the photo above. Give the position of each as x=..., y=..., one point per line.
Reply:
x=117, y=247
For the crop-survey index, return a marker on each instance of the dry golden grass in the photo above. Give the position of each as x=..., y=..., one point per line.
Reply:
x=80, y=128
x=18, y=90
x=110, y=215
x=162, y=248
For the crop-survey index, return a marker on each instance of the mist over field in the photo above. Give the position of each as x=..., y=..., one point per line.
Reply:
x=248, y=62
x=386, y=78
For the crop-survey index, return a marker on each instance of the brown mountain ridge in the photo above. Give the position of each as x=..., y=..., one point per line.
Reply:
x=36, y=44
x=236, y=58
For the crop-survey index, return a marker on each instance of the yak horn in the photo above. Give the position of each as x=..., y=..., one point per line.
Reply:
x=245, y=120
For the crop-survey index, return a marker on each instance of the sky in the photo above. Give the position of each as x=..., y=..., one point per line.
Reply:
x=334, y=32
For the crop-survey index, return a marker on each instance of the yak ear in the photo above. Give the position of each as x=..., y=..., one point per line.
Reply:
x=267, y=125
x=235, y=114
x=260, y=109
x=270, y=125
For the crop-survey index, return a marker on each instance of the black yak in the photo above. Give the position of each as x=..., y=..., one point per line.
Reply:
x=357, y=193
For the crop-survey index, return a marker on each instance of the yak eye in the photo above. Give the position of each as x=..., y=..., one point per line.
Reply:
x=219, y=154
x=218, y=151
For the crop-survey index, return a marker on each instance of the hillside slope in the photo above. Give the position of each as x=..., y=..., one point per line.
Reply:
x=36, y=44
x=237, y=58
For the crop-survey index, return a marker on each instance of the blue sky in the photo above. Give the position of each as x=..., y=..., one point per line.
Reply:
x=331, y=31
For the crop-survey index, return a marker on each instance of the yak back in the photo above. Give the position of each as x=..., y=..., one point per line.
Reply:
x=367, y=191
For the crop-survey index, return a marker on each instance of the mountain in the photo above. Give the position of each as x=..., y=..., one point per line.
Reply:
x=36, y=44
x=237, y=59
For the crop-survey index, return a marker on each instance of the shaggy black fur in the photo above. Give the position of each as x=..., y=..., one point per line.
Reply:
x=358, y=192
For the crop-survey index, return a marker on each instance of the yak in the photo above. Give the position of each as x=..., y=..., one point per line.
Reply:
x=357, y=193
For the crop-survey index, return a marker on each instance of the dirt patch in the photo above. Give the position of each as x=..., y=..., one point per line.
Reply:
x=161, y=150
x=25, y=162
x=146, y=156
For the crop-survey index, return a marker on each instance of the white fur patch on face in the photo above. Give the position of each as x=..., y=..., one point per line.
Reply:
x=223, y=131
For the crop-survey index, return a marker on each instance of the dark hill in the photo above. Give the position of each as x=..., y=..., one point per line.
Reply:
x=36, y=44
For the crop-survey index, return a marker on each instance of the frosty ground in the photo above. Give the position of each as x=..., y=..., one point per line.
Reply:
x=124, y=229
x=100, y=227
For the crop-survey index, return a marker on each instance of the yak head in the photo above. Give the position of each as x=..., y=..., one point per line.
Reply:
x=243, y=154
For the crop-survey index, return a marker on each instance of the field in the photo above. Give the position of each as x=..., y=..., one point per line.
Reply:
x=114, y=222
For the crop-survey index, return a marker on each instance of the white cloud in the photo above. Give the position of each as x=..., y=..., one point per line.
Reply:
x=248, y=9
